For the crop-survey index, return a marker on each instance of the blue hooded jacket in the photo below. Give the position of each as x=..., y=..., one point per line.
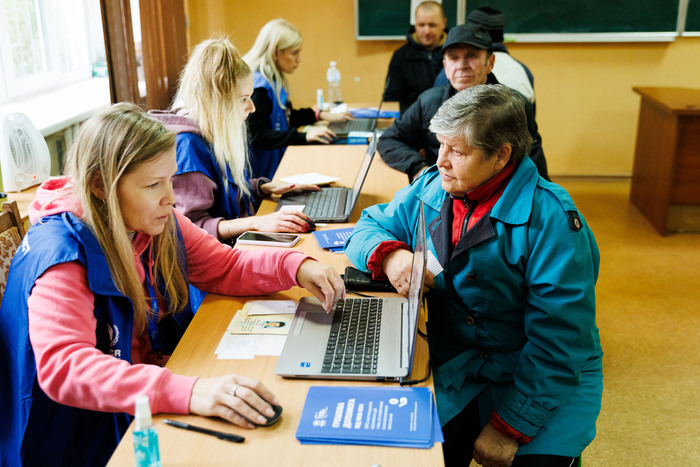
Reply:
x=511, y=319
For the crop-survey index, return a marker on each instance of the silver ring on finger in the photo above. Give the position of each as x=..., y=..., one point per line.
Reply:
x=233, y=391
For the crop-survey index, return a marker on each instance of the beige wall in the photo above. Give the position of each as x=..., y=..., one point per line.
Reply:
x=586, y=110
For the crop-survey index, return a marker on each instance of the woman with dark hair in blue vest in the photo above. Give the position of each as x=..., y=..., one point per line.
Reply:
x=273, y=126
x=97, y=298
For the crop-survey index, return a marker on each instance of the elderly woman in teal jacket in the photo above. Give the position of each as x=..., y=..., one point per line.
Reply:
x=512, y=269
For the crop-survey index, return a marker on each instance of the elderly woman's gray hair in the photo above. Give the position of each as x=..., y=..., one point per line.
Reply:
x=486, y=117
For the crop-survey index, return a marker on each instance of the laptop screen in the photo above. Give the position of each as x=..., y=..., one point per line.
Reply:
x=364, y=168
x=415, y=289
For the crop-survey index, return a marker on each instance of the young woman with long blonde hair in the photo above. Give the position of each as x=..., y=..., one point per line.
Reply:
x=275, y=54
x=212, y=186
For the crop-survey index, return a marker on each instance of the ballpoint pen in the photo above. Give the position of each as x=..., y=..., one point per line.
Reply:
x=225, y=436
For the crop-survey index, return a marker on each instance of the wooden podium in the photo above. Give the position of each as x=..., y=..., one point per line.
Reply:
x=666, y=176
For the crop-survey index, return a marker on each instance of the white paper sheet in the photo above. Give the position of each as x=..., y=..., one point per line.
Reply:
x=311, y=178
x=270, y=307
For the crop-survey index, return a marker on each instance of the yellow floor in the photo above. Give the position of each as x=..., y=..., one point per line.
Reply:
x=648, y=312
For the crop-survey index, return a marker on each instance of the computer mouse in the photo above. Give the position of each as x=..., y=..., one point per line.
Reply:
x=270, y=420
x=275, y=418
x=312, y=224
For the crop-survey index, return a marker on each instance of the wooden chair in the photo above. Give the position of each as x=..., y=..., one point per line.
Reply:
x=11, y=234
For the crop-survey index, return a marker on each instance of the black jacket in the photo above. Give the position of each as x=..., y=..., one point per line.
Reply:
x=261, y=133
x=412, y=70
x=401, y=145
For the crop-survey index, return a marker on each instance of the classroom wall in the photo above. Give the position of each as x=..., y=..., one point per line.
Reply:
x=586, y=109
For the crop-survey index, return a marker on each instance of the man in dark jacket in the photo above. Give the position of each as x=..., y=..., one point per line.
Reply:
x=414, y=66
x=408, y=145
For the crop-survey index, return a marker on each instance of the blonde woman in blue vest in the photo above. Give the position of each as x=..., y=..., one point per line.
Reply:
x=275, y=54
x=97, y=297
x=213, y=185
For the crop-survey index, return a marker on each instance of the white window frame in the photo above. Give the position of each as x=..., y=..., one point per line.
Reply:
x=85, y=47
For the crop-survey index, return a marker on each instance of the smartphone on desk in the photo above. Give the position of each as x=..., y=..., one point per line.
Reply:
x=268, y=238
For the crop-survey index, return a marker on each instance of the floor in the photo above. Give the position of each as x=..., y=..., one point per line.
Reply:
x=648, y=296
x=648, y=312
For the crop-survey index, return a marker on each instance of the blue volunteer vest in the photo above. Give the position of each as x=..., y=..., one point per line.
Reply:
x=264, y=162
x=195, y=155
x=35, y=429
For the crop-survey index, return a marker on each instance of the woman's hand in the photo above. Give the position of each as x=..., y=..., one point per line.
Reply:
x=492, y=449
x=234, y=398
x=280, y=188
x=282, y=221
x=335, y=117
x=322, y=281
x=320, y=134
x=397, y=267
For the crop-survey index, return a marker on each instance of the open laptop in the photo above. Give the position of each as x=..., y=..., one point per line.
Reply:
x=317, y=345
x=343, y=128
x=331, y=204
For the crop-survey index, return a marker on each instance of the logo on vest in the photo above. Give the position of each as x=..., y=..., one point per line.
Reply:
x=24, y=246
x=113, y=339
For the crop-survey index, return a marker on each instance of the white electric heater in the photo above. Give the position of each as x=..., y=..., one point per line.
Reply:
x=24, y=154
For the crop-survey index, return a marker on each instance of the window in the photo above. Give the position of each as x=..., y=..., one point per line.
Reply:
x=48, y=43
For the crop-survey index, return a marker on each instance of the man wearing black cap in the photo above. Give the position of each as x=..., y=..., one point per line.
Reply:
x=408, y=145
x=508, y=70
x=415, y=65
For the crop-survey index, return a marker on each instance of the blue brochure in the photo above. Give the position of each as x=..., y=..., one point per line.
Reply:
x=333, y=239
x=376, y=416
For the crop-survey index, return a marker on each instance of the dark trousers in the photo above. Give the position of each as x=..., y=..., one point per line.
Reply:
x=461, y=432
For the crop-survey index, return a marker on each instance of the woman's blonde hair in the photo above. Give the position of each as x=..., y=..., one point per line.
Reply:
x=277, y=35
x=109, y=146
x=209, y=91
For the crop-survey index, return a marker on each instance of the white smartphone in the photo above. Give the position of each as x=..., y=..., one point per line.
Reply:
x=268, y=238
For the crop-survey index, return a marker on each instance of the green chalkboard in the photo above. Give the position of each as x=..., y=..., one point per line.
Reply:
x=692, y=22
x=584, y=16
x=391, y=18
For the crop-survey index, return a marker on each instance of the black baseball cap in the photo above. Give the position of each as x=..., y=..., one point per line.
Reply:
x=468, y=34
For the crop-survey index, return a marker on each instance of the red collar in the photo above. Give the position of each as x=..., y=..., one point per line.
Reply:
x=486, y=190
x=486, y=195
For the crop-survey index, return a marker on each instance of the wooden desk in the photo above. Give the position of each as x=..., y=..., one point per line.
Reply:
x=23, y=199
x=667, y=155
x=194, y=355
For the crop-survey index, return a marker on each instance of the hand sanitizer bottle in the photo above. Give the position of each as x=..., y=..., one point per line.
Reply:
x=145, y=435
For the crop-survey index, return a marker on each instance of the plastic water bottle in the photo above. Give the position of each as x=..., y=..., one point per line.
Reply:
x=146, y=448
x=333, y=77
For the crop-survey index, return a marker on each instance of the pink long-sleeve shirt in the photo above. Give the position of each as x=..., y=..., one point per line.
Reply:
x=72, y=371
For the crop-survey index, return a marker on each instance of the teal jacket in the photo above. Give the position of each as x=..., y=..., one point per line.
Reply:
x=511, y=319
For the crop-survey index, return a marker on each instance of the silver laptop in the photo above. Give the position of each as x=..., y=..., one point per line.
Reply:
x=331, y=204
x=343, y=128
x=378, y=347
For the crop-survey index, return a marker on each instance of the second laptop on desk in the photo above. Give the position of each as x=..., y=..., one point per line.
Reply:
x=331, y=204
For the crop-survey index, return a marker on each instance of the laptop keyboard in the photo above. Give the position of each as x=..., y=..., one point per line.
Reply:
x=353, y=343
x=346, y=126
x=323, y=203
